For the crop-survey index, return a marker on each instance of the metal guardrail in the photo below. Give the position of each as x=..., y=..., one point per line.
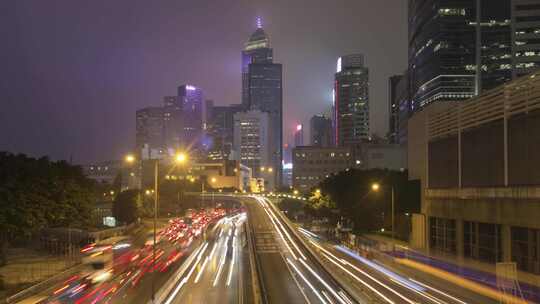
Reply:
x=259, y=292
x=43, y=285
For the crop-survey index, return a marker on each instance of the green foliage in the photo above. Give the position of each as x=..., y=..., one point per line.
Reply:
x=39, y=193
x=292, y=206
x=126, y=207
x=350, y=193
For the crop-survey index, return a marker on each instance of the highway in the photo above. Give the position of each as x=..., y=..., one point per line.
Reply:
x=389, y=284
x=215, y=273
x=289, y=274
x=197, y=263
x=291, y=264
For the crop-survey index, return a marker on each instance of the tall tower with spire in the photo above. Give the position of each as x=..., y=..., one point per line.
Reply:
x=262, y=90
x=256, y=50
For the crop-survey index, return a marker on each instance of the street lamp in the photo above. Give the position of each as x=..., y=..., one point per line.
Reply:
x=130, y=158
x=375, y=187
x=178, y=158
x=295, y=192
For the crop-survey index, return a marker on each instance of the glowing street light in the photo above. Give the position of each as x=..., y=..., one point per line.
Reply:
x=295, y=192
x=375, y=187
x=270, y=170
x=213, y=180
x=130, y=158
x=180, y=158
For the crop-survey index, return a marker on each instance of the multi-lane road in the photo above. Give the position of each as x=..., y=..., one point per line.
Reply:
x=244, y=255
x=289, y=273
x=214, y=272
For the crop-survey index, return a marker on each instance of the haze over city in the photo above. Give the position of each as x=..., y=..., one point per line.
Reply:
x=270, y=152
x=73, y=73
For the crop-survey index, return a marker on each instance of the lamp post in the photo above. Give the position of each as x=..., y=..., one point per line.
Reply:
x=213, y=180
x=178, y=158
x=375, y=187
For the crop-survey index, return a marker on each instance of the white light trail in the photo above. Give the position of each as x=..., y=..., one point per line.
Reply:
x=365, y=283
x=307, y=281
x=281, y=235
x=198, y=253
x=231, y=268
x=221, y=263
x=323, y=282
x=199, y=274
x=439, y=291
x=425, y=295
x=341, y=293
x=327, y=297
x=284, y=230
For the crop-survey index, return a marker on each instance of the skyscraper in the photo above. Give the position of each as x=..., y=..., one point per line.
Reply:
x=251, y=140
x=299, y=135
x=526, y=36
x=172, y=122
x=220, y=128
x=393, y=107
x=351, y=98
x=256, y=50
x=457, y=48
x=193, y=116
x=149, y=128
x=320, y=129
x=262, y=89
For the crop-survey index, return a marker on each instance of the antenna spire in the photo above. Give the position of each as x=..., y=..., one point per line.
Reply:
x=259, y=22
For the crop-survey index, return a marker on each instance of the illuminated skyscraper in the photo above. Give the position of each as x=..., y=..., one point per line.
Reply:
x=251, y=141
x=262, y=89
x=299, y=135
x=193, y=116
x=458, y=48
x=351, y=101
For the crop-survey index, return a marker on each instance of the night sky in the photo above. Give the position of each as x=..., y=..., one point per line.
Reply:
x=73, y=72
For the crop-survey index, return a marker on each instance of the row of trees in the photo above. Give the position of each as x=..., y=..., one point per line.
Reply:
x=38, y=193
x=348, y=196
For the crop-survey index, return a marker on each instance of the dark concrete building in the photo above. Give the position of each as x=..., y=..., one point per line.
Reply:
x=172, y=122
x=311, y=165
x=220, y=129
x=393, y=108
x=320, y=131
x=351, y=101
x=149, y=128
x=477, y=162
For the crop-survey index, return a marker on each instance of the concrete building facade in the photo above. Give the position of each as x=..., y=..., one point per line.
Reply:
x=477, y=162
x=252, y=142
x=311, y=165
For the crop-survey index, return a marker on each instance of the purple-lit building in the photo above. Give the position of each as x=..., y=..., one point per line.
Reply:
x=193, y=116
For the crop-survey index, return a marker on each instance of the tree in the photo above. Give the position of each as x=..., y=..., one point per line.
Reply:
x=125, y=206
x=350, y=192
x=39, y=193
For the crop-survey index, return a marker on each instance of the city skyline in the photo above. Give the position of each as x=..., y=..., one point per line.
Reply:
x=104, y=83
